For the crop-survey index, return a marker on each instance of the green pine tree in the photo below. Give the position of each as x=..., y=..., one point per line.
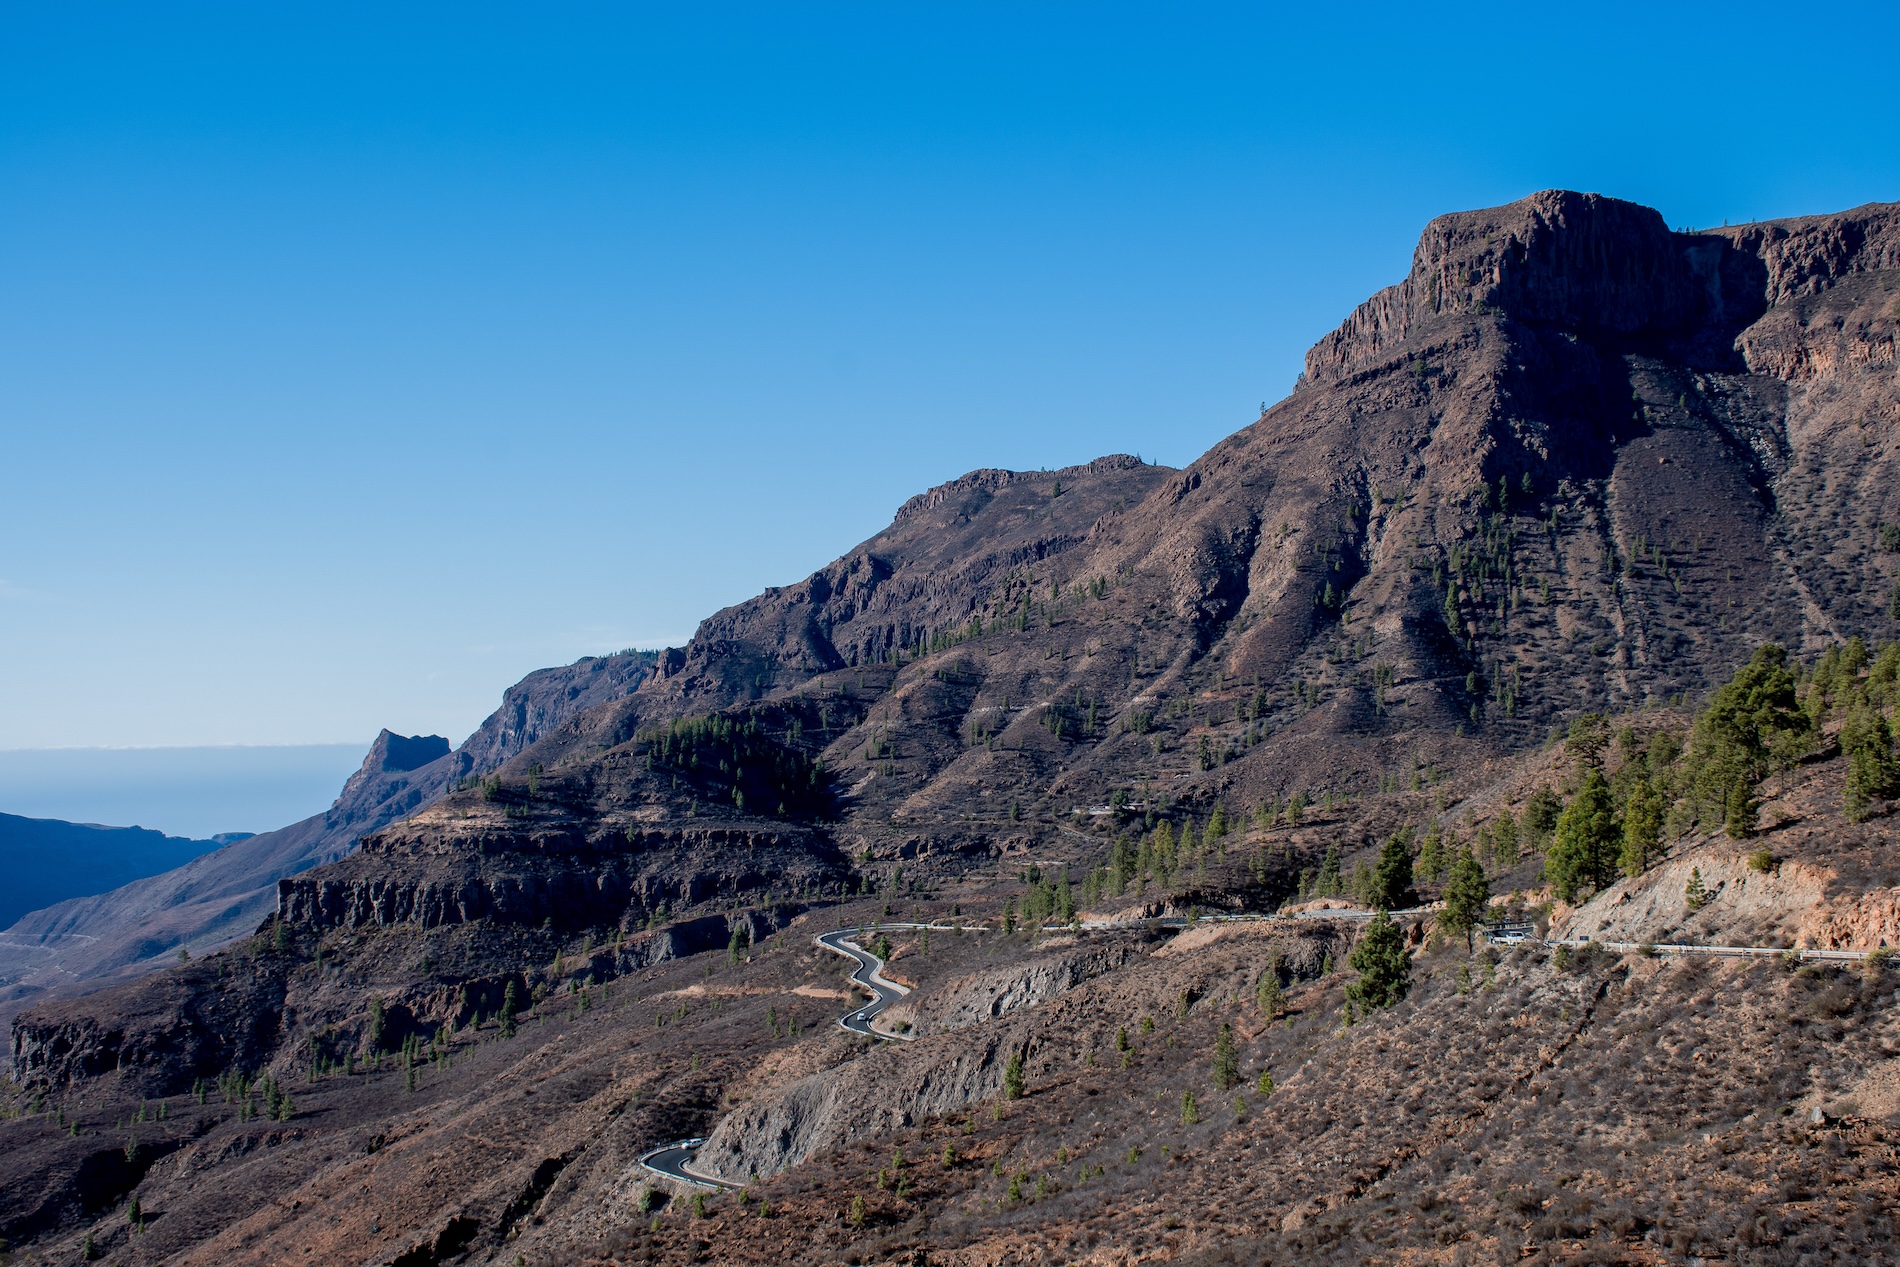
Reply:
x=1226, y=1059
x=1467, y=894
x=1392, y=876
x=1642, y=829
x=1504, y=833
x=1584, y=853
x=1383, y=966
x=1270, y=996
x=1867, y=740
x=1328, y=884
x=1013, y=1081
x=508, y=1009
x=1738, y=808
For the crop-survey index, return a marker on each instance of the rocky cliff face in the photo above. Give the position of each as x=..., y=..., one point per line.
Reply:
x=1572, y=462
x=80, y=945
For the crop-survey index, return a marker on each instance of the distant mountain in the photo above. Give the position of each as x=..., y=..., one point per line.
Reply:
x=46, y=860
x=70, y=947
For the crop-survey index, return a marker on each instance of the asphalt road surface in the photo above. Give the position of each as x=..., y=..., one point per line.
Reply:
x=883, y=993
x=672, y=1160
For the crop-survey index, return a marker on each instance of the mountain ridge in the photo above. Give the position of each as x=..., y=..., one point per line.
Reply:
x=1529, y=507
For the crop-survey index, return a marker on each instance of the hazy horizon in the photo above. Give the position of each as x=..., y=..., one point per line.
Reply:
x=194, y=791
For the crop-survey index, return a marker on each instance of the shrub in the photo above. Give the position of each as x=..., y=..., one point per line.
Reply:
x=1762, y=860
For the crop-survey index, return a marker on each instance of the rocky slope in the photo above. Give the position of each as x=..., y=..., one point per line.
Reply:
x=1573, y=463
x=74, y=947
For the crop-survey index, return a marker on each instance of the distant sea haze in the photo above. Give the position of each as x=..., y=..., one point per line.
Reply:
x=191, y=792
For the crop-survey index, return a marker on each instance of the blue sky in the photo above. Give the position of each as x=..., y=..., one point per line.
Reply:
x=353, y=364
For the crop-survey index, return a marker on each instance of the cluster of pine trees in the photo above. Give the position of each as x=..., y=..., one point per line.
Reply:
x=735, y=759
x=1160, y=857
x=1770, y=715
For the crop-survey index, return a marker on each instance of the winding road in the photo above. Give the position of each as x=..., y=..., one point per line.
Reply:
x=870, y=978
x=671, y=1160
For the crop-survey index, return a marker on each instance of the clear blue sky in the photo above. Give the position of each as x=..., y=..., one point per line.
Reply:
x=355, y=360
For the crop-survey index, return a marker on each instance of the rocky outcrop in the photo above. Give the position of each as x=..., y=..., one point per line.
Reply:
x=897, y=1086
x=201, y=1020
x=986, y=996
x=1745, y=907
x=544, y=701
x=887, y=1088
x=83, y=944
x=613, y=875
x=1601, y=267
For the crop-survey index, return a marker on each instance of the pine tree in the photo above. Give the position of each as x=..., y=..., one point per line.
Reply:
x=1642, y=829
x=1226, y=1059
x=1467, y=893
x=1392, y=877
x=1383, y=966
x=1738, y=808
x=1694, y=895
x=1431, y=856
x=1328, y=884
x=1270, y=996
x=1541, y=813
x=1190, y=1111
x=1013, y=1081
x=508, y=1008
x=1504, y=832
x=1583, y=855
x=1871, y=770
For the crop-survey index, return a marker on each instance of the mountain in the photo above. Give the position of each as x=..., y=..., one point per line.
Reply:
x=1582, y=515
x=1574, y=462
x=46, y=860
x=81, y=944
